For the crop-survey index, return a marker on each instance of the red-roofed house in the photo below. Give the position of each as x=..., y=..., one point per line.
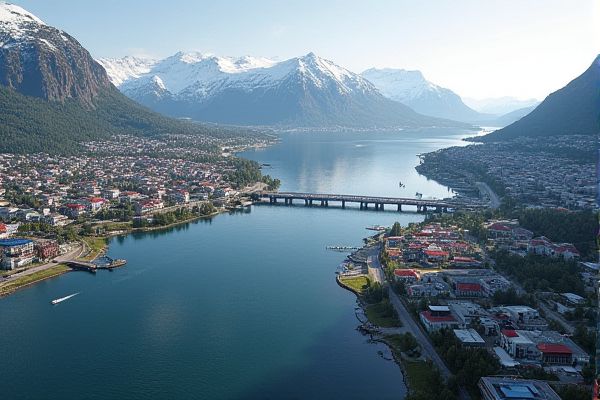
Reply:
x=467, y=289
x=555, y=353
x=540, y=246
x=465, y=262
x=566, y=251
x=438, y=317
x=95, y=204
x=74, y=210
x=434, y=255
x=409, y=276
x=498, y=230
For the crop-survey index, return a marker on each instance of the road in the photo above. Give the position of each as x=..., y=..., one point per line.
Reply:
x=548, y=311
x=413, y=327
x=494, y=199
x=73, y=254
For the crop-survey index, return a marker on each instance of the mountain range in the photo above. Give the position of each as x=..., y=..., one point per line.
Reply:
x=411, y=88
x=306, y=91
x=54, y=95
x=572, y=110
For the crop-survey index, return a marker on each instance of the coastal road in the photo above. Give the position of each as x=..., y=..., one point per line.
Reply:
x=412, y=327
x=426, y=346
x=73, y=254
x=494, y=199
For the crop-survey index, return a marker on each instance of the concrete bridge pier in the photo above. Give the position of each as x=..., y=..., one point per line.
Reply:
x=343, y=204
x=424, y=209
x=419, y=209
x=305, y=202
x=399, y=207
x=381, y=207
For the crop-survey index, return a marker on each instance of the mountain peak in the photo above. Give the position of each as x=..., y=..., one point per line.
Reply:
x=15, y=15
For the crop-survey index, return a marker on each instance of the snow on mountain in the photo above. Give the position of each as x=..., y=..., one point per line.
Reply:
x=411, y=88
x=120, y=70
x=201, y=75
x=400, y=84
x=15, y=15
x=307, y=90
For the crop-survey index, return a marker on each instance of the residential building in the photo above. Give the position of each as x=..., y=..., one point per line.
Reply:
x=504, y=388
x=16, y=252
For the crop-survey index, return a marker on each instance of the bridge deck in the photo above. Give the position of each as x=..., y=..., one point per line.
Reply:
x=358, y=199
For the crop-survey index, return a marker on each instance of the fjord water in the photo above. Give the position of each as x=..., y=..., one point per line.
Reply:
x=243, y=306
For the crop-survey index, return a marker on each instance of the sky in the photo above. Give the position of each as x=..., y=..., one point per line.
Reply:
x=478, y=48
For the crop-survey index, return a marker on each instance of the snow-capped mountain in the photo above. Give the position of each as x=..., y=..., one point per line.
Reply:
x=42, y=61
x=411, y=88
x=306, y=91
x=54, y=95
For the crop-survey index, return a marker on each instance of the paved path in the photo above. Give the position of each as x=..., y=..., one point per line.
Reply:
x=411, y=326
x=73, y=254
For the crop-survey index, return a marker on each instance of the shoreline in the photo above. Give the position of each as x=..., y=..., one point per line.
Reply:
x=102, y=251
x=376, y=337
x=41, y=279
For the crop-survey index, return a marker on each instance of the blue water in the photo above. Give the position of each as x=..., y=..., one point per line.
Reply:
x=243, y=306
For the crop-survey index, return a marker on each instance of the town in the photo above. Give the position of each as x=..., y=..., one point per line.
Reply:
x=57, y=209
x=447, y=293
x=532, y=171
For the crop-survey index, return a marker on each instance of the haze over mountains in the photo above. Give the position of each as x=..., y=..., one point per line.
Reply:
x=572, y=110
x=411, y=88
x=500, y=105
x=306, y=91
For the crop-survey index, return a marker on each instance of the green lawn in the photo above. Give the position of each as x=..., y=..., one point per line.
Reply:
x=10, y=287
x=96, y=245
x=382, y=314
x=419, y=376
x=356, y=283
x=401, y=342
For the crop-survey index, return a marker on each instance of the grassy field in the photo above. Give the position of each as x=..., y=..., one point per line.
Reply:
x=381, y=314
x=96, y=245
x=9, y=287
x=356, y=283
x=419, y=376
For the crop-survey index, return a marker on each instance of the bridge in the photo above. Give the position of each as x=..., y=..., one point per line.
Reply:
x=378, y=203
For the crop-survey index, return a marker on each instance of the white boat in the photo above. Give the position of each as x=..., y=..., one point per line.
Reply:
x=376, y=228
x=61, y=299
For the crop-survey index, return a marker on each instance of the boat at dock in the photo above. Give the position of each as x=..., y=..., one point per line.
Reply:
x=61, y=299
x=376, y=228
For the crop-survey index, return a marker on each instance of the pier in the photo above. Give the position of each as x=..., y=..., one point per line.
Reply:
x=91, y=267
x=365, y=202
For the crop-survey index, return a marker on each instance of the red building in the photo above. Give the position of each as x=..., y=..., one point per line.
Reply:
x=46, y=249
x=554, y=353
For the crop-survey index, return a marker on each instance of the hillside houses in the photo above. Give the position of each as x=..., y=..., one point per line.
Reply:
x=508, y=235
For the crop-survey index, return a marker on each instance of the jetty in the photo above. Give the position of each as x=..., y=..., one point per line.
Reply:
x=92, y=267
